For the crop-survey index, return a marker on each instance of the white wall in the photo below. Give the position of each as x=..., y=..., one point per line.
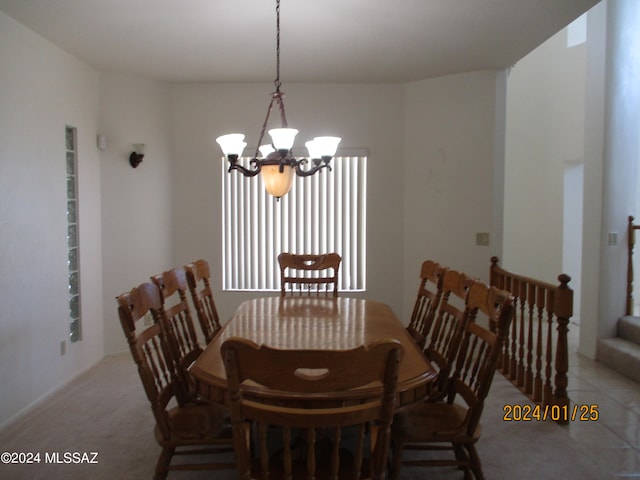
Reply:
x=621, y=154
x=450, y=131
x=136, y=203
x=166, y=212
x=573, y=210
x=544, y=133
x=368, y=116
x=419, y=169
x=433, y=151
x=593, y=185
x=43, y=90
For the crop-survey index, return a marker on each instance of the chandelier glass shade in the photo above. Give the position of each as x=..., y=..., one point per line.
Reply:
x=275, y=161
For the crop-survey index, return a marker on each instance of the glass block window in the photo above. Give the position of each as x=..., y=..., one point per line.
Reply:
x=72, y=234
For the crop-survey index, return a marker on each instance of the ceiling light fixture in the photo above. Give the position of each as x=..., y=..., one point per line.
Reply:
x=277, y=163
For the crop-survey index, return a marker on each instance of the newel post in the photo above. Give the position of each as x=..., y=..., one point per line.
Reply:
x=563, y=312
x=631, y=240
x=493, y=274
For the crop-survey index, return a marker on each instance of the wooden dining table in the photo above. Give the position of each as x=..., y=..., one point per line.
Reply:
x=313, y=323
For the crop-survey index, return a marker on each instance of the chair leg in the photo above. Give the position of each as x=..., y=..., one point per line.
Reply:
x=396, y=459
x=476, y=465
x=461, y=456
x=162, y=465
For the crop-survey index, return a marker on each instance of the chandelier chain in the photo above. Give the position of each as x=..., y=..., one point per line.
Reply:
x=281, y=152
x=277, y=95
x=277, y=80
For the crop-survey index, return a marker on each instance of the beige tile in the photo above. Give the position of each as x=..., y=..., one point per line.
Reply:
x=623, y=462
x=627, y=431
x=594, y=435
x=621, y=416
x=592, y=370
x=606, y=449
x=627, y=397
x=578, y=383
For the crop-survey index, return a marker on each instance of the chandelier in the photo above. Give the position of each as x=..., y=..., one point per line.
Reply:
x=276, y=162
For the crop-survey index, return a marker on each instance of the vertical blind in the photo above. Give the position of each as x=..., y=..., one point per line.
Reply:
x=323, y=213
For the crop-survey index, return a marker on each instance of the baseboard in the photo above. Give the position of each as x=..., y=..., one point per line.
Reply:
x=33, y=406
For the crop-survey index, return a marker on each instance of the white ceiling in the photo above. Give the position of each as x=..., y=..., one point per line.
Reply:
x=321, y=40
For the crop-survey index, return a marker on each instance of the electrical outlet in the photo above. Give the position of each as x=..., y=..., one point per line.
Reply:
x=148, y=319
x=63, y=347
x=613, y=238
x=482, y=238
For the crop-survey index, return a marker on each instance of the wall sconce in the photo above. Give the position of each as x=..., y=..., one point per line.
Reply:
x=137, y=155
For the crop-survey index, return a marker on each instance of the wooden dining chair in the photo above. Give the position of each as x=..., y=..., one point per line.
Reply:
x=174, y=316
x=427, y=301
x=183, y=429
x=312, y=439
x=306, y=274
x=443, y=338
x=202, y=297
x=454, y=424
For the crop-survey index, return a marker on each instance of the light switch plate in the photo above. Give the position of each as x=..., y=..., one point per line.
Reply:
x=482, y=238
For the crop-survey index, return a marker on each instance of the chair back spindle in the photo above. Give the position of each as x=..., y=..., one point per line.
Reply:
x=443, y=340
x=199, y=428
x=198, y=278
x=174, y=316
x=454, y=423
x=314, y=440
x=308, y=274
x=427, y=301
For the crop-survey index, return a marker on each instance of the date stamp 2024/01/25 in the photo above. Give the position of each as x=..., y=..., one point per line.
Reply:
x=557, y=413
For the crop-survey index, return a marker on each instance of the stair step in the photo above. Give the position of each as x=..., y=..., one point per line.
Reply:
x=621, y=355
x=629, y=328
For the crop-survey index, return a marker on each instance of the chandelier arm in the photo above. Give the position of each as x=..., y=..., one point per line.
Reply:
x=307, y=173
x=247, y=172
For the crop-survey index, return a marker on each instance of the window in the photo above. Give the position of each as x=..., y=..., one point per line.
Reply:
x=72, y=235
x=325, y=212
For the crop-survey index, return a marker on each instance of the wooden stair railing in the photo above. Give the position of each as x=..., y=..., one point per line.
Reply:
x=631, y=241
x=535, y=359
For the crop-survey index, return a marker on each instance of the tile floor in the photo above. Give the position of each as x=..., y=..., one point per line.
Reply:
x=615, y=438
x=608, y=448
x=595, y=450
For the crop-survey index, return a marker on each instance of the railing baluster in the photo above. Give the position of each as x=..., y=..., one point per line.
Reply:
x=537, y=381
x=535, y=352
x=528, y=384
x=548, y=390
x=513, y=364
x=505, y=355
x=521, y=351
x=631, y=241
